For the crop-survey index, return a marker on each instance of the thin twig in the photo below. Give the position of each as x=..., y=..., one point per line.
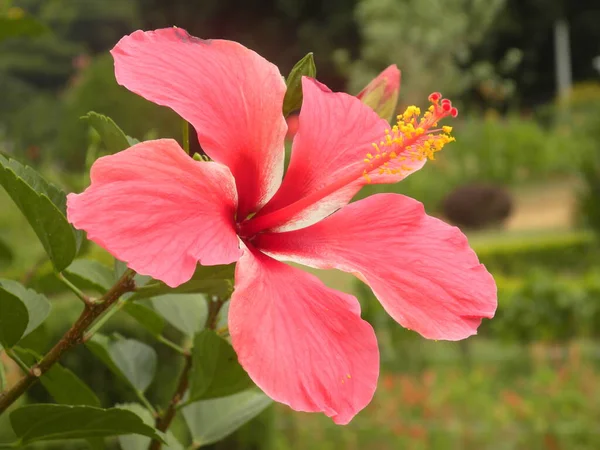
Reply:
x=28, y=276
x=163, y=422
x=84, y=298
x=12, y=355
x=72, y=338
x=172, y=345
x=3, y=380
x=214, y=307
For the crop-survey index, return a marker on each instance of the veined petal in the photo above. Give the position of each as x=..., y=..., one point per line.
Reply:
x=336, y=132
x=302, y=343
x=422, y=270
x=159, y=210
x=230, y=94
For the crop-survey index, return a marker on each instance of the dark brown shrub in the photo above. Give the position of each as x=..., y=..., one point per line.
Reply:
x=477, y=206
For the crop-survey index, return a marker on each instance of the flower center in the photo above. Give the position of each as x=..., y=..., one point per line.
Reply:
x=411, y=139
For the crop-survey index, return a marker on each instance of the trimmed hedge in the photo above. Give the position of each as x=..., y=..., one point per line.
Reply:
x=573, y=252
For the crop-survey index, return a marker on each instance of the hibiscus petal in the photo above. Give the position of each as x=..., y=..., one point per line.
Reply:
x=230, y=94
x=302, y=343
x=159, y=210
x=421, y=269
x=335, y=132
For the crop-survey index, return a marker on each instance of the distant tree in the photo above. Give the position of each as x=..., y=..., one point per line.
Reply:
x=432, y=41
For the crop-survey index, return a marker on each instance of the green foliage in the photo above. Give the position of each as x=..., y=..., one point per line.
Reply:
x=213, y=280
x=293, y=94
x=44, y=206
x=111, y=135
x=432, y=41
x=38, y=307
x=499, y=397
x=509, y=150
x=13, y=318
x=90, y=274
x=557, y=252
x=147, y=317
x=139, y=442
x=131, y=360
x=580, y=114
x=136, y=116
x=63, y=385
x=17, y=24
x=542, y=306
x=6, y=254
x=185, y=312
x=51, y=422
x=136, y=361
x=215, y=369
x=210, y=421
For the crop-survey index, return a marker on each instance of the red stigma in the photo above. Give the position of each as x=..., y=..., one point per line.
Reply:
x=435, y=97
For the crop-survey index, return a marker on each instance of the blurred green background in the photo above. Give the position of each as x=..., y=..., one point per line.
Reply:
x=523, y=180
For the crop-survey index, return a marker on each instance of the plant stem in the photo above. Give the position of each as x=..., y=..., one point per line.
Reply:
x=214, y=306
x=142, y=398
x=3, y=380
x=72, y=338
x=103, y=319
x=27, y=277
x=163, y=422
x=173, y=345
x=84, y=298
x=24, y=367
x=186, y=136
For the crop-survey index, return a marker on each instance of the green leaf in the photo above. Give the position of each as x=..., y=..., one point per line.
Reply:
x=96, y=443
x=216, y=371
x=133, y=361
x=20, y=26
x=136, y=360
x=89, y=274
x=38, y=306
x=211, y=280
x=293, y=94
x=33, y=423
x=13, y=318
x=62, y=384
x=186, y=312
x=210, y=421
x=112, y=136
x=136, y=442
x=6, y=255
x=44, y=207
x=99, y=345
x=147, y=317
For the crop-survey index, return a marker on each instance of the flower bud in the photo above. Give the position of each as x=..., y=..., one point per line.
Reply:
x=381, y=93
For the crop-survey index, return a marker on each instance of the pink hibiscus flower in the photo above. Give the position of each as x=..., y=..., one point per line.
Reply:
x=162, y=212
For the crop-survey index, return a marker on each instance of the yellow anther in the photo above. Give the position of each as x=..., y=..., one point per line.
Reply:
x=413, y=138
